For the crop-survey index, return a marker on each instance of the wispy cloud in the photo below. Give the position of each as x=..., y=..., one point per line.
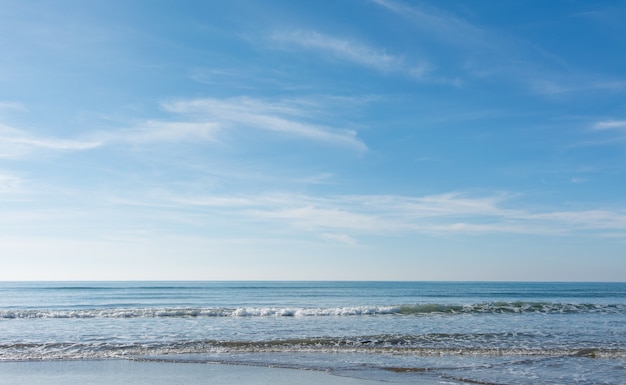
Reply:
x=358, y=215
x=491, y=53
x=610, y=125
x=161, y=131
x=197, y=120
x=322, y=218
x=605, y=132
x=280, y=117
x=345, y=49
x=323, y=178
x=442, y=25
x=214, y=201
x=484, y=53
x=440, y=214
x=12, y=106
x=556, y=84
x=585, y=219
x=10, y=184
x=17, y=143
x=360, y=53
x=339, y=238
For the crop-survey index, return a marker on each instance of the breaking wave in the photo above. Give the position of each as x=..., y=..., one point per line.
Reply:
x=427, y=345
x=415, y=309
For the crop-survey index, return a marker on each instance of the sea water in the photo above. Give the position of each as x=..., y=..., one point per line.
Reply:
x=397, y=332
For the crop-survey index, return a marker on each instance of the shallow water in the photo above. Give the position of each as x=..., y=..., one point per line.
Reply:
x=499, y=333
x=115, y=372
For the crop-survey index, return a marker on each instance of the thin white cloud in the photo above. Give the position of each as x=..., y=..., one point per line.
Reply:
x=392, y=214
x=202, y=120
x=487, y=53
x=213, y=201
x=491, y=53
x=587, y=219
x=199, y=120
x=316, y=218
x=605, y=133
x=345, y=49
x=362, y=54
x=323, y=178
x=250, y=113
x=450, y=204
x=12, y=106
x=17, y=143
x=610, y=125
x=442, y=25
x=556, y=84
x=159, y=131
x=339, y=238
x=10, y=184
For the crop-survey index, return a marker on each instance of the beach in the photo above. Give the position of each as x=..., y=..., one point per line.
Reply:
x=119, y=372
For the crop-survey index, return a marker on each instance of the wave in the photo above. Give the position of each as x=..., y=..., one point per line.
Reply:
x=198, y=312
x=212, y=349
x=512, y=307
x=414, y=309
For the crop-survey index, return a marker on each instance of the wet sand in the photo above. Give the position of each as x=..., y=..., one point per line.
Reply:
x=120, y=372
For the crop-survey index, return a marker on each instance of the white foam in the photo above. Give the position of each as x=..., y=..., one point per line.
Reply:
x=417, y=309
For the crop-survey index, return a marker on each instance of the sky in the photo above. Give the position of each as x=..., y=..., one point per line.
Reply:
x=313, y=140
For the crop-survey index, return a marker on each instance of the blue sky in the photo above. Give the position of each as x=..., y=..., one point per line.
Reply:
x=354, y=139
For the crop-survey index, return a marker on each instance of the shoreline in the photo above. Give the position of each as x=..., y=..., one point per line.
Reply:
x=120, y=371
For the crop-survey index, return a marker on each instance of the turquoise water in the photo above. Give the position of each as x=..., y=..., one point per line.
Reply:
x=447, y=332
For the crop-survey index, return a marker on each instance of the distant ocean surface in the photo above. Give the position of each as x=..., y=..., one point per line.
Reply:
x=400, y=332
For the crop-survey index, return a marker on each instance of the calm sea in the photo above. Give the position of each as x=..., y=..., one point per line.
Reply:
x=400, y=332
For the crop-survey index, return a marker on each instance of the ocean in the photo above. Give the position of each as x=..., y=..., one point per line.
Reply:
x=393, y=332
